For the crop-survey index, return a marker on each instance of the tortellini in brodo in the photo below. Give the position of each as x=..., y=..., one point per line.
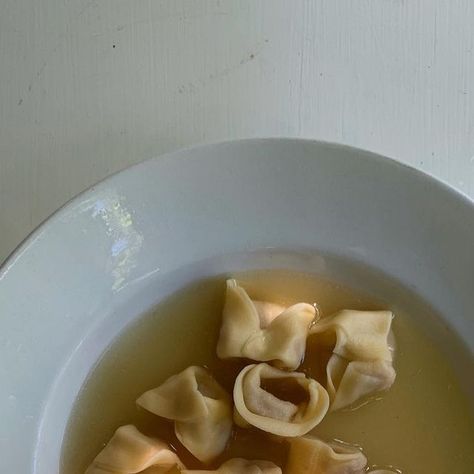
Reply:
x=361, y=359
x=200, y=408
x=263, y=331
x=353, y=347
x=131, y=452
x=256, y=405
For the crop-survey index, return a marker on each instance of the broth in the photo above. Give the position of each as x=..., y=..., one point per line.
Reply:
x=423, y=424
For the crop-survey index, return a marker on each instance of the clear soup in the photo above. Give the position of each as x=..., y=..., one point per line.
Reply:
x=422, y=425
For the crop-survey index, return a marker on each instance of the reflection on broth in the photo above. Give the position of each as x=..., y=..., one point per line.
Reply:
x=422, y=424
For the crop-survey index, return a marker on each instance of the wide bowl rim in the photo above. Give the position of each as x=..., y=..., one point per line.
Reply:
x=378, y=158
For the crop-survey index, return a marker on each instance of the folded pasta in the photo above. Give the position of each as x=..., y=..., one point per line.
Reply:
x=257, y=402
x=131, y=452
x=361, y=357
x=311, y=455
x=357, y=335
x=263, y=331
x=349, y=381
x=200, y=408
x=241, y=466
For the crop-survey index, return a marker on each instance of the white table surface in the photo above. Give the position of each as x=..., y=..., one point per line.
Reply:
x=88, y=87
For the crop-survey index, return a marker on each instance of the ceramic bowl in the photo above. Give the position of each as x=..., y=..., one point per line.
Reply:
x=119, y=248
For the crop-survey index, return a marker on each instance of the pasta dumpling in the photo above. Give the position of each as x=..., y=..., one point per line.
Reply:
x=357, y=335
x=361, y=358
x=263, y=331
x=349, y=381
x=131, y=452
x=200, y=408
x=311, y=455
x=242, y=466
x=257, y=402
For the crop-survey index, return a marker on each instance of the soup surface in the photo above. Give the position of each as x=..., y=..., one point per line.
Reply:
x=422, y=425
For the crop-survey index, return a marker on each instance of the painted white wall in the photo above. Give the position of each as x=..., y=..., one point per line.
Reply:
x=88, y=87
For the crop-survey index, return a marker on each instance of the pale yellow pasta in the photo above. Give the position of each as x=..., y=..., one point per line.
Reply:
x=131, y=452
x=313, y=456
x=200, y=408
x=349, y=381
x=263, y=331
x=361, y=360
x=260, y=408
x=357, y=335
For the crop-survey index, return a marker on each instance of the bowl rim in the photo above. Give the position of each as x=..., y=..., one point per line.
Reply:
x=377, y=158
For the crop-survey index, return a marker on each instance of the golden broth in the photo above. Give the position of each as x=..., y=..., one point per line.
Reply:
x=422, y=425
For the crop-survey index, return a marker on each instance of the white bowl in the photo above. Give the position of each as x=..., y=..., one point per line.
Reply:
x=120, y=247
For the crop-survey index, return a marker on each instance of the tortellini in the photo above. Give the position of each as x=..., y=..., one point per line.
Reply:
x=349, y=381
x=242, y=466
x=200, y=408
x=131, y=452
x=355, y=359
x=259, y=407
x=263, y=331
x=311, y=456
x=361, y=360
x=357, y=335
